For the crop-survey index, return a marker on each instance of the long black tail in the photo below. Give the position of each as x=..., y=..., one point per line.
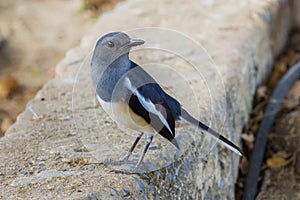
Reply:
x=186, y=116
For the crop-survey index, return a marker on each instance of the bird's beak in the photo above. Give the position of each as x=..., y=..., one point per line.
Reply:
x=133, y=43
x=136, y=42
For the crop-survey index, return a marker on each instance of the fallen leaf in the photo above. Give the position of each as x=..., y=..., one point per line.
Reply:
x=249, y=140
x=6, y=123
x=277, y=162
x=293, y=97
x=279, y=70
x=248, y=137
x=8, y=85
x=244, y=164
x=262, y=93
x=258, y=116
x=282, y=154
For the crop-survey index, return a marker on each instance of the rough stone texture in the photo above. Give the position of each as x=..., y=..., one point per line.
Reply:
x=48, y=153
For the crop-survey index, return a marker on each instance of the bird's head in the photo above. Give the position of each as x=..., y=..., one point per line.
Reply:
x=112, y=46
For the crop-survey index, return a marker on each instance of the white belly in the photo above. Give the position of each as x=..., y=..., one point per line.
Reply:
x=125, y=117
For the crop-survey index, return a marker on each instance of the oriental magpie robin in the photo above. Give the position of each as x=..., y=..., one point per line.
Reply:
x=133, y=98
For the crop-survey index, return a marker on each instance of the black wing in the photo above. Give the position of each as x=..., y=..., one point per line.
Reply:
x=157, y=108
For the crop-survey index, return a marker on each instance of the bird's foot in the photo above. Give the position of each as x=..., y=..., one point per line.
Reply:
x=138, y=165
x=132, y=169
x=126, y=157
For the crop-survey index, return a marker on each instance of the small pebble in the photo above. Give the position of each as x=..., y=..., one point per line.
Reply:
x=26, y=172
x=153, y=190
x=113, y=192
x=204, y=159
x=153, y=148
x=30, y=164
x=42, y=165
x=125, y=193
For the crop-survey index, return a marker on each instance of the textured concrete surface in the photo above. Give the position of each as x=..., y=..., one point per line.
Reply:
x=53, y=151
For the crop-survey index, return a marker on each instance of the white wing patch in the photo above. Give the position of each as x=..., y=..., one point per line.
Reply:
x=230, y=147
x=147, y=104
x=218, y=136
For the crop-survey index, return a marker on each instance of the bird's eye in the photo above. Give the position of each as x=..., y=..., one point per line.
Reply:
x=110, y=44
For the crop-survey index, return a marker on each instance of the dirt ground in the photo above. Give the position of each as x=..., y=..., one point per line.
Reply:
x=35, y=36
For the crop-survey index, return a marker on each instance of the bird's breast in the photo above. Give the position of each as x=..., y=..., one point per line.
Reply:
x=122, y=114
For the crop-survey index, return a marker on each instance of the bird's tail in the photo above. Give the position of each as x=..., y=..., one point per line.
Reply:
x=186, y=116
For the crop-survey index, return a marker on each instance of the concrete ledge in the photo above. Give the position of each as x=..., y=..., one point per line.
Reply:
x=43, y=154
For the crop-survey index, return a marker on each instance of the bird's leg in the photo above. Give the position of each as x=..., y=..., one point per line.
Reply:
x=133, y=146
x=149, y=140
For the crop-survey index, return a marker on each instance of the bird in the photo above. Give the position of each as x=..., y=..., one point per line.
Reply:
x=134, y=99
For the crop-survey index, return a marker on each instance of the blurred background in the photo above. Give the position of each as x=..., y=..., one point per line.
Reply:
x=34, y=37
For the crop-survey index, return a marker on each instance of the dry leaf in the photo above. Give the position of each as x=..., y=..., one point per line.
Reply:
x=248, y=137
x=258, y=115
x=277, y=162
x=261, y=93
x=249, y=140
x=244, y=165
x=6, y=123
x=293, y=97
x=279, y=70
x=254, y=127
x=282, y=154
x=8, y=85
